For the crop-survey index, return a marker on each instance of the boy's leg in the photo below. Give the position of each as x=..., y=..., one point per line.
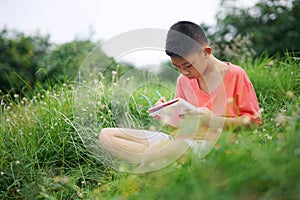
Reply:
x=162, y=154
x=126, y=144
x=131, y=140
x=132, y=145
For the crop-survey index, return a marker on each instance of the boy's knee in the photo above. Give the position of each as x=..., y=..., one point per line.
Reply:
x=107, y=131
x=107, y=134
x=104, y=133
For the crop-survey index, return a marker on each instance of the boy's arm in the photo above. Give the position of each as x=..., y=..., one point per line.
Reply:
x=231, y=122
x=210, y=119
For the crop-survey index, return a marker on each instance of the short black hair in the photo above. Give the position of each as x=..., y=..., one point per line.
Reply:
x=183, y=38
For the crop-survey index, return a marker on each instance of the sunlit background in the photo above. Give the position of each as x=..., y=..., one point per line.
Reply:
x=101, y=20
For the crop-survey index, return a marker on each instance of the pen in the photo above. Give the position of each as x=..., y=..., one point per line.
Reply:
x=157, y=92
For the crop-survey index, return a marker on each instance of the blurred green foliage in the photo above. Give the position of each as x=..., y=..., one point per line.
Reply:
x=19, y=58
x=62, y=63
x=31, y=62
x=271, y=26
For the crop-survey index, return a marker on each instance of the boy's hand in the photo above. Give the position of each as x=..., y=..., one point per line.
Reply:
x=161, y=100
x=203, y=114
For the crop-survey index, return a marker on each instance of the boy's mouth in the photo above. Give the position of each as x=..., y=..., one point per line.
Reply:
x=190, y=77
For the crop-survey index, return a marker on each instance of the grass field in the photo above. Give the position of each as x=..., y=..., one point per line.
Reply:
x=44, y=153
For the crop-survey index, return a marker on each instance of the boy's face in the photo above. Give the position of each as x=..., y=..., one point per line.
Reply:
x=192, y=66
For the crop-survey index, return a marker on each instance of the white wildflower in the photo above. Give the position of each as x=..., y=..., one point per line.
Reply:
x=261, y=110
x=290, y=94
x=268, y=137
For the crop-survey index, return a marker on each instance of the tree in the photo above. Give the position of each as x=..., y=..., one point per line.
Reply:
x=272, y=25
x=19, y=58
x=61, y=65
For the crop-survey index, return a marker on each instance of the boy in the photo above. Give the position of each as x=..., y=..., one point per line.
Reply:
x=222, y=92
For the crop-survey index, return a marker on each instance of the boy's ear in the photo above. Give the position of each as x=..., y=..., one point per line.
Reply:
x=207, y=50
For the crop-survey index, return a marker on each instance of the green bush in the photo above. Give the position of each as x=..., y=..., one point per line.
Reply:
x=19, y=58
x=62, y=64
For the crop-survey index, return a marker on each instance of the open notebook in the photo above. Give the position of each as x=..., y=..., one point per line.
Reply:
x=170, y=112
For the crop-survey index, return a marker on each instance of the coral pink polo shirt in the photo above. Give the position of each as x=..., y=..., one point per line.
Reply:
x=235, y=97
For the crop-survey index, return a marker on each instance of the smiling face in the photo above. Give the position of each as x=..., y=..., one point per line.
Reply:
x=194, y=65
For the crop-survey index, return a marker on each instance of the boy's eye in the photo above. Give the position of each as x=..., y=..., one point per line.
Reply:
x=188, y=66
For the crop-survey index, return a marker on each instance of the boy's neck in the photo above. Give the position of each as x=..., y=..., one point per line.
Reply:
x=213, y=76
x=215, y=66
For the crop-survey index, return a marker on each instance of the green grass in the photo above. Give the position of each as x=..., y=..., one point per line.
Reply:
x=45, y=155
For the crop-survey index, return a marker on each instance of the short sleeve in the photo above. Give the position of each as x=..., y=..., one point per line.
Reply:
x=248, y=104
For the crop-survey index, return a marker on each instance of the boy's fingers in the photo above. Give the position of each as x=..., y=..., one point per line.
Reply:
x=161, y=100
x=189, y=113
x=200, y=111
